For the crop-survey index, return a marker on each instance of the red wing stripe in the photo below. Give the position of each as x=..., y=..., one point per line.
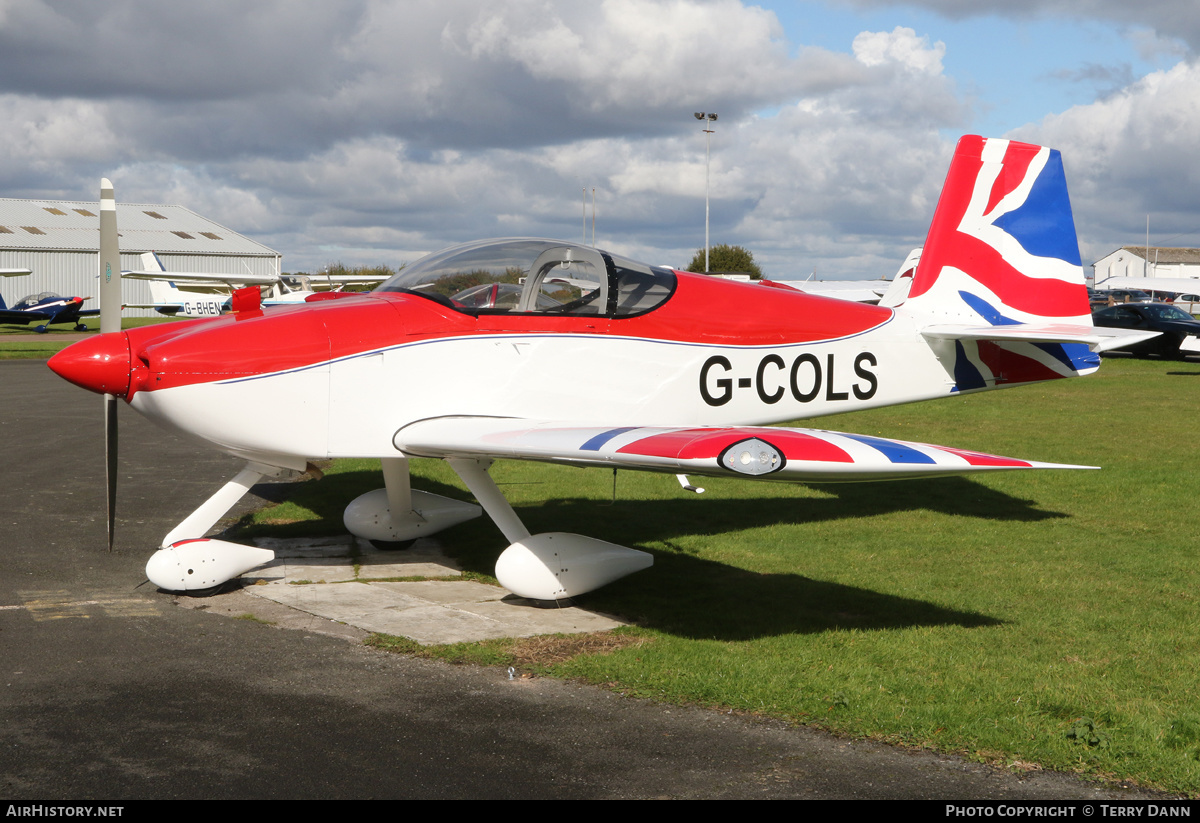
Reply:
x=980, y=459
x=702, y=444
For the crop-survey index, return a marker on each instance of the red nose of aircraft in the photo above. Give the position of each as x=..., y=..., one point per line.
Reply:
x=100, y=364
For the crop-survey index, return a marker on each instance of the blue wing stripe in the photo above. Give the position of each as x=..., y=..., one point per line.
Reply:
x=599, y=440
x=894, y=452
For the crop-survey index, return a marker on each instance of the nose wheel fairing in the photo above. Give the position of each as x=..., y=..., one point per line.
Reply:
x=203, y=563
x=188, y=561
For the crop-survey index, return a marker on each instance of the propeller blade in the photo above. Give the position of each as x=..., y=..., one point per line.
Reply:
x=110, y=321
x=110, y=261
x=110, y=460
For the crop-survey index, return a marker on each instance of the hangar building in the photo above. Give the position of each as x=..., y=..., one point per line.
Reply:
x=1138, y=261
x=60, y=241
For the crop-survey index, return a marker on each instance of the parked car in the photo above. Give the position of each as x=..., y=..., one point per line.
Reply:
x=1180, y=331
x=1188, y=302
x=1097, y=299
x=1118, y=296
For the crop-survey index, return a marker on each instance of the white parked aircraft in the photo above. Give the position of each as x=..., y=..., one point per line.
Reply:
x=876, y=292
x=208, y=295
x=191, y=294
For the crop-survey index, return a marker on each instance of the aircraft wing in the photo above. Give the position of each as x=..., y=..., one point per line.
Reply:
x=767, y=452
x=163, y=306
x=206, y=279
x=1183, y=285
x=1097, y=338
x=858, y=291
x=316, y=280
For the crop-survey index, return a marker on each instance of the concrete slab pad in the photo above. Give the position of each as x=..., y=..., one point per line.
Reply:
x=447, y=592
x=334, y=559
x=313, y=570
x=342, y=545
x=336, y=574
x=379, y=568
x=524, y=620
x=343, y=602
x=436, y=625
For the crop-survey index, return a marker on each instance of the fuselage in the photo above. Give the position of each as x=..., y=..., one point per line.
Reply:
x=50, y=309
x=352, y=371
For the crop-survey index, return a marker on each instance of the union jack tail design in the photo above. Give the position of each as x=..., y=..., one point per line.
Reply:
x=1002, y=253
x=1002, y=248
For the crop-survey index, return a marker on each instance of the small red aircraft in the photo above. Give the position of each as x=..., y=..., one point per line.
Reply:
x=553, y=351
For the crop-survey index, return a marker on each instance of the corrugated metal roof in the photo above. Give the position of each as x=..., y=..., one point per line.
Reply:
x=1158, y=254
x=75, y=225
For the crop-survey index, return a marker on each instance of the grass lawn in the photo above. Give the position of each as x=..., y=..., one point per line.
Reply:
x=22, y=343
x=1026, y=619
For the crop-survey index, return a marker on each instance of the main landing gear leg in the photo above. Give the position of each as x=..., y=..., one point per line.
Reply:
x=189, y=563
x=548, y=566
x=397, y=512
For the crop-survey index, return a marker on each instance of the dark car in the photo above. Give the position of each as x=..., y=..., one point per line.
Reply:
x=1107, y=296
x=1177, y=327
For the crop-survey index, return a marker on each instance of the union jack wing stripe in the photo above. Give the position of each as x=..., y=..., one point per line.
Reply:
x=788, y=454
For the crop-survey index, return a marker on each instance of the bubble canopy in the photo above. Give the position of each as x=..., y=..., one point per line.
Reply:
x=535, y=276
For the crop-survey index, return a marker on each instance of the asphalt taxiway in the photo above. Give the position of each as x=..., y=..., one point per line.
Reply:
x=110, y=690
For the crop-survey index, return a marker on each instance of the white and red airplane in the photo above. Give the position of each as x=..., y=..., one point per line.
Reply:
x=210, y=294
x=192, y=294
x=569, y=354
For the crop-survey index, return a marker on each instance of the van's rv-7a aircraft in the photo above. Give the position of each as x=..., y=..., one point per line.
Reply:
x=569, y=354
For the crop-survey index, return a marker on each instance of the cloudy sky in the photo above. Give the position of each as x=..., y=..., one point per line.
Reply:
x=372, y=131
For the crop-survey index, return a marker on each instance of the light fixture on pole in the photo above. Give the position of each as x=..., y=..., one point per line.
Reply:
x=708, y=118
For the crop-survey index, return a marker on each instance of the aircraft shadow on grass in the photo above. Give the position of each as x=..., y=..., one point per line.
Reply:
x=691, y=596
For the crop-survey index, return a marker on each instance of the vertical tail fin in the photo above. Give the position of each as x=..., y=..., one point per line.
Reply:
x=151, y=262
x=1000, y=280
x=1002, y=247
x=163, y=292
x=897, y=293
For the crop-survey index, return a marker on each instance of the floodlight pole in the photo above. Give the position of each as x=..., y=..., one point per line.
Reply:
x=708, y=118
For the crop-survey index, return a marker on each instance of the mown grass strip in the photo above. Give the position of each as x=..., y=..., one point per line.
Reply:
x=22, y=343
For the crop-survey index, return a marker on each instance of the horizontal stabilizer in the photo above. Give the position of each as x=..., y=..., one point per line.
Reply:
x=1096, y=338
x=162, y=307
x=769, y=453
